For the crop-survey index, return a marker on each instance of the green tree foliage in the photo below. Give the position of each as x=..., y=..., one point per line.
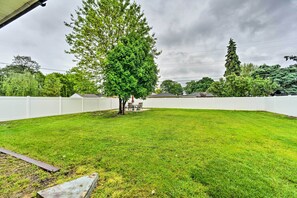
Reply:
x=98, y=26
x=130, y=70
x=170, y=86
x=198, y=86
x=74, y=81
x=2, y=93
x=52, y=85
x=158, y=91
x=218, y=88
x=81, y=82
x=21, y=64
x=20, y=84
x=247, y=69
x=67, y=85
x=39, y=76
x=232, y=61
x=241, y=80
x=285, y=77
x=240, y=86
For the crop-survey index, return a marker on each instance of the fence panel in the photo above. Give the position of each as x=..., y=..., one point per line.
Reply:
x=254, y=104
x=286, y=105
x=13, y=108
x=41, y=107
x=71, y=105
x=90, y=104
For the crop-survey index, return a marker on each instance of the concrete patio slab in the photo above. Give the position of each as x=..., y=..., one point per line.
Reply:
x=79, y=188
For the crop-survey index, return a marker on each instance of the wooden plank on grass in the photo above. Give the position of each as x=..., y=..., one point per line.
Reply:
x=40, y=164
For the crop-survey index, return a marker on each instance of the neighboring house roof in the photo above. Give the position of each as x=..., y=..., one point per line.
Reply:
x=163, y=95
x=10, y=10
x=76, y=96
x=198, y=95
x=209, y=95
x=92, y=95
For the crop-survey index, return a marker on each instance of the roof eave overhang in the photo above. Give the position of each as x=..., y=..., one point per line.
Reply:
x=20, y=12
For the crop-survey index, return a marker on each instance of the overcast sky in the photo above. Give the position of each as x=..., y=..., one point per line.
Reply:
x=192, y=34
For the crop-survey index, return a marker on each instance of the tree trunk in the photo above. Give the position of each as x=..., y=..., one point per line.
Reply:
x=120, y=106
x=124, y=104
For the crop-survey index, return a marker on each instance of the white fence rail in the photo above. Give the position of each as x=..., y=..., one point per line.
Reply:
x=286, y=105
x=14, y=108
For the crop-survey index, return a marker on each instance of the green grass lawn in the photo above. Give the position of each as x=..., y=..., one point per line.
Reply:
x=173, y=153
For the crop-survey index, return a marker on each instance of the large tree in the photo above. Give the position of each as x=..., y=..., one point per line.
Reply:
x=170, y=86
x=21, y=78
x=232, y=61
x=130, y=70
x=286, y=77
x=98, y=26
x=21, y=64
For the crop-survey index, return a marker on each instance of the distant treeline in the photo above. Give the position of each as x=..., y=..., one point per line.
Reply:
x=23, y=78
x=253, y=80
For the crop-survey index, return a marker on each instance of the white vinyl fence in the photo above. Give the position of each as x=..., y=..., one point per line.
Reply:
x=286, y=105
x=14, y=108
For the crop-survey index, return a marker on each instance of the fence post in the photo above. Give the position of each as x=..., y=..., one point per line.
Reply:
x=82, y=104
x=60, y=105
x=28, y=107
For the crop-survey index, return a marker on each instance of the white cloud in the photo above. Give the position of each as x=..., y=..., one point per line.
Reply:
x=192, y=34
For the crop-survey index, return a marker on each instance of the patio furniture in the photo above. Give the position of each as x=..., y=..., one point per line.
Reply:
x=139, y=106
x=130, y=106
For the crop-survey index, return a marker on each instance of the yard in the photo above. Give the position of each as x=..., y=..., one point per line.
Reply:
x=161, y=153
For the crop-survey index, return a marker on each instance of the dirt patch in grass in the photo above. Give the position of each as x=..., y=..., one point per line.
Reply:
x=21, y=178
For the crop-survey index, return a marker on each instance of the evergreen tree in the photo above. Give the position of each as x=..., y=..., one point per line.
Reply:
x=286, y=77
x=232, y=61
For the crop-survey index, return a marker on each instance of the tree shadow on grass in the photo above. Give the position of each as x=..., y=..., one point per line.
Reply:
x=113, y=114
